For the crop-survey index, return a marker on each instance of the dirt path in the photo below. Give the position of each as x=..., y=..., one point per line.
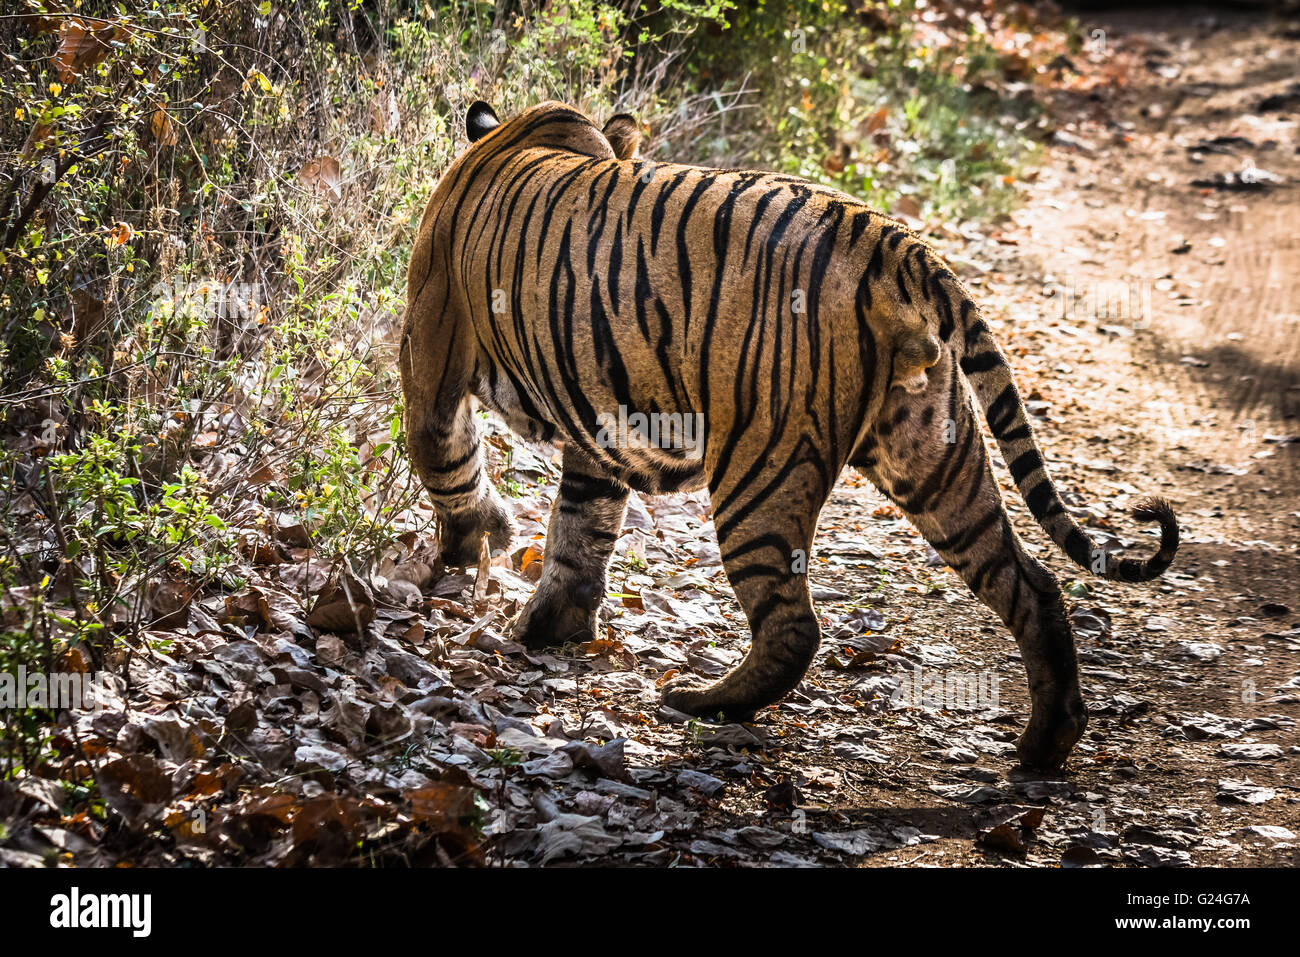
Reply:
x=1158, y=326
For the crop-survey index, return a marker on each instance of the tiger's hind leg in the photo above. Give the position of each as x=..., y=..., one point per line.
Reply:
x=448, y=457
x=926, y=453
x=584, y=526
x=765, y=519
x=437, y=367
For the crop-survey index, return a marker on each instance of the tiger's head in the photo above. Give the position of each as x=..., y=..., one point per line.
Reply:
x=556, y=125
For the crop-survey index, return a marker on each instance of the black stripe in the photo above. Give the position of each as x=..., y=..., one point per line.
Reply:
x=461, y=462
x=1025, y=465
x=1004, y=410
x=756, y=571
x=460, y=489
x=575, y=487
x=1042, y=500
x=963, y=538
x=770, y=540
x=981, y=363
x=1080, y=548
x=765, y=608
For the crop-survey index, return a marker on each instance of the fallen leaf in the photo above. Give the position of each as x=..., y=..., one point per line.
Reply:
x=324, y=177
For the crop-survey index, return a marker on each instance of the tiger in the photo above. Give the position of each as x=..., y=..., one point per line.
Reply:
x=557, y=276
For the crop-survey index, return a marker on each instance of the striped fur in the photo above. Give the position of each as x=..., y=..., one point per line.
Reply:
x=556, y=278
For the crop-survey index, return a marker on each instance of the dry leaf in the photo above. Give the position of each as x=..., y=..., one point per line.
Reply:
x=530, y=562
x=250, y=607
x=169, y=603
x=267, y=474
x=134, y=785
x=484, y=575
x=87, y=310
x=908, y=206
x=39, y=133
x=342, y=605
x=82, y=44
x=441, y=806
x=324, y=177
x=119, y=234
x=162, y=128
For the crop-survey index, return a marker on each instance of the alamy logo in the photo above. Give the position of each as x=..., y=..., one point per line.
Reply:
x=652, y=430
x=74, y=910
x=951, y=691
x=210, y=298
x=57, y=691
x=1108, y=299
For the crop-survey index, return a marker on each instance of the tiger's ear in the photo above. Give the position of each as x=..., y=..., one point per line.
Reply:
x=480, y=120
x=624, y=135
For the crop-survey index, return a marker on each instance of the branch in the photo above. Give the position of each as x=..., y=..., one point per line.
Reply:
x=95, y=139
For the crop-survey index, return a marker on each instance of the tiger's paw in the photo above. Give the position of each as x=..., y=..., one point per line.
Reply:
x=694, y=696
x=547, y=624
x=460, y=536
x=1045, y=745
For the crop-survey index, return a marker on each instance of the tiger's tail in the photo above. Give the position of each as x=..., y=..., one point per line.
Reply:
x=989, y=374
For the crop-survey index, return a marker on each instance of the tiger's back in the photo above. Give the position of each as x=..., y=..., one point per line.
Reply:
x=573, y=289
x=600, y=257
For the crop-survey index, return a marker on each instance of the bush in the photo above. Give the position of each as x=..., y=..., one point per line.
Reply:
x=206, y=208
x=883, y=100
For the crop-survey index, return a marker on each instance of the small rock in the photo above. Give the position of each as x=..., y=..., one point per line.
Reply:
x=1196, y=650
x=1268, y=832
x=1243, y=751
x=1244, y=792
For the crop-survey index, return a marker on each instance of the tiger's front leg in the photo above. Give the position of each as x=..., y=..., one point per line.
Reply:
x=585, y=523
x=437, y=365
